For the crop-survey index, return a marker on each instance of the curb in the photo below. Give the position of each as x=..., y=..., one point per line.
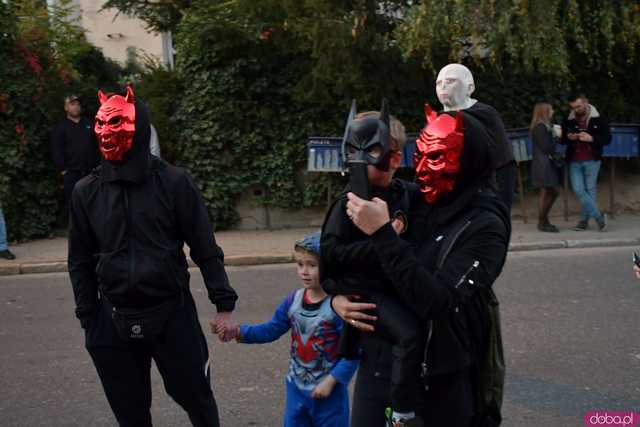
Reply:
x=60, y=266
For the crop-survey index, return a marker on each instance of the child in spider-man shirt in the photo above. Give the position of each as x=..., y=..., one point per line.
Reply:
x=317, y=381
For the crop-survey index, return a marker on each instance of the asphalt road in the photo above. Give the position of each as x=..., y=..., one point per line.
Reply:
x=570, y=324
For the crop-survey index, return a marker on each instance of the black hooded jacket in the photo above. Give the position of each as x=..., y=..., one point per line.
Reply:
x=128, y=226
x=441, y=296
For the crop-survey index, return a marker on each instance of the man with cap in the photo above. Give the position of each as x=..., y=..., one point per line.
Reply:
x=74, y=146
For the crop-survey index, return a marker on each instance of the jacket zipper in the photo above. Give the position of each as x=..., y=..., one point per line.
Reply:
x=132, y=256
x=425, y=367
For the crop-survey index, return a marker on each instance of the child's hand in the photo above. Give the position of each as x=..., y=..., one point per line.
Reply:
x=398, y=225
x=224, y=326
x=324, y=389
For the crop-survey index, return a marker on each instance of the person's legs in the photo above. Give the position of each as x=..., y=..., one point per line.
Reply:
x=69, y=179
x=124, y=370
x=332, y=411
x=449, y=400
x=548, y=196
x=576, y=172
x=591, y=170
x=297, y=412
x=399, y=326
x=3, y=233
x=370, y=398
x=182, y=358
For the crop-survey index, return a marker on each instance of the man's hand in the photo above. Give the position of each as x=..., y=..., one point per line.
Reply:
x=224, y=326
x=585, y=137
x=354, y=313
x=572, y=136
x=324, y=389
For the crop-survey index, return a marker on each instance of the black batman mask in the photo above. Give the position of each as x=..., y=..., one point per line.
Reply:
x=368, y=139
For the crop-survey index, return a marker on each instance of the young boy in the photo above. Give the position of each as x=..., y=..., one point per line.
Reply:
x=317, y=382
x=350, y=265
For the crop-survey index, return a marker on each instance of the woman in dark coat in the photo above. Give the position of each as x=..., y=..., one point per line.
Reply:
x=545, y=175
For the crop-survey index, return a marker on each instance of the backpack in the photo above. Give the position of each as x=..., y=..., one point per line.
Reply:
x=488, y=368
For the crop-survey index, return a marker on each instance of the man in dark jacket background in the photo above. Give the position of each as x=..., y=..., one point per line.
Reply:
x=129, y=220
x=585, y=133
x=74, y=147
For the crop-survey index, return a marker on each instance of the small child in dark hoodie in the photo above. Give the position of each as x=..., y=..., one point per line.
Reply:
x=350, y=266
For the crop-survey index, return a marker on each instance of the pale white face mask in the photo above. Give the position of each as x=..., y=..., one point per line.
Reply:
x=454, y=87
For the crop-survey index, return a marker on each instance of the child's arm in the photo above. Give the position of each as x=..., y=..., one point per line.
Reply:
x=268, y=331
x=344, y=369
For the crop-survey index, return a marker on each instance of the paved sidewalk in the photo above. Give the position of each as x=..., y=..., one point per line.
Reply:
x=269, y=247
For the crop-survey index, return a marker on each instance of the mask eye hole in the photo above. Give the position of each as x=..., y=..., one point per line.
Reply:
x=434, y=156
x=114, y=120
x=99, y=122
x=375, y=151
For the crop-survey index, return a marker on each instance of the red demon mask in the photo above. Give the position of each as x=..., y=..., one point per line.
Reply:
x=437, y=157
x=115, y=124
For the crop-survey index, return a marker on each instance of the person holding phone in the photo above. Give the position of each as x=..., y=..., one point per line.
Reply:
x=585, y=133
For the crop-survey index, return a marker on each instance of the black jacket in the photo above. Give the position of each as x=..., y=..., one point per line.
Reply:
x=597, y=127
x=74, y=146
x=346, y=252
x=128, y=226
x=431, y=293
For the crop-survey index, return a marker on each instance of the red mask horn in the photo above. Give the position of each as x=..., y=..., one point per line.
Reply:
x=130, y=98
x=102, y=97
x=429, y=114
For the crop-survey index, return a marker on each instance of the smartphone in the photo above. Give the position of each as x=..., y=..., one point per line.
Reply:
x=636, y=259
x=359, y=180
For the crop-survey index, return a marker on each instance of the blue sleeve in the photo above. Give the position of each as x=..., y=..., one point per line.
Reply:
x=344, y=369
x=268, y=331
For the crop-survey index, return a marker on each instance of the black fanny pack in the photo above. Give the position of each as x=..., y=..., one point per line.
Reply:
x=143, y=325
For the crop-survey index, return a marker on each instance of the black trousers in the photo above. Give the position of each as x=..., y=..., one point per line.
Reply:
x=69, y=179
x=180, y=354
x=447, y=403
x=399, y=326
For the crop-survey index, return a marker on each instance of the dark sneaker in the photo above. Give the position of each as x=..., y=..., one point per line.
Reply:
x=7, y=254
x=412, y=422
x=548, y=228
x=581, y=226
x=602, y=224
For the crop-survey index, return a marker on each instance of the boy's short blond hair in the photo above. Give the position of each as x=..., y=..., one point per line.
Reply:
x=398, y=133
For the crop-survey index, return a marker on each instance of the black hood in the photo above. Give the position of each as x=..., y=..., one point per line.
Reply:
x=492, y=122
x=477, y=161
x=135, y=165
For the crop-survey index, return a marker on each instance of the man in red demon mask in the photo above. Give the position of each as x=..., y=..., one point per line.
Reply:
x=129, y=220
x=442, y=270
